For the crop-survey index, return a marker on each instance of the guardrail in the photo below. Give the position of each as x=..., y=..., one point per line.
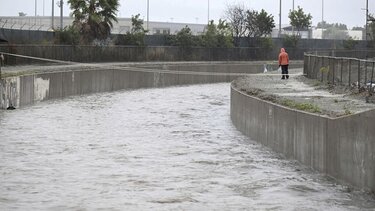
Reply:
x=347, y=71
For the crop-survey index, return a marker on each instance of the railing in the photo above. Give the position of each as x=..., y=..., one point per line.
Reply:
x=353, y=71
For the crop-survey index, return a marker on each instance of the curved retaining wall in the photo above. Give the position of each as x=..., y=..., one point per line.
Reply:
x=343, y=148
x=24, y=90
x=28, y=89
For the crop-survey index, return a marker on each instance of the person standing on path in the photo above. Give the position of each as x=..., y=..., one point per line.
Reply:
x=284, y=63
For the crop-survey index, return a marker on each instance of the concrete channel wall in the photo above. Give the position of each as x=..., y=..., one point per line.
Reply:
x=343, y=148
x=27, y=89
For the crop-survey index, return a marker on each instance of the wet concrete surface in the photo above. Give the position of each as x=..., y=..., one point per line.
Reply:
x=329, y=101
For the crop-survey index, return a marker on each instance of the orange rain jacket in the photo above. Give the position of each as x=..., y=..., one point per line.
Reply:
x=283, y=57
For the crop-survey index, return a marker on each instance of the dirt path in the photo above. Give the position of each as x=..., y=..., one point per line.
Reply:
x=304, y=94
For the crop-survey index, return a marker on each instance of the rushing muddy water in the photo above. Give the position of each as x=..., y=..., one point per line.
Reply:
x=151, y=149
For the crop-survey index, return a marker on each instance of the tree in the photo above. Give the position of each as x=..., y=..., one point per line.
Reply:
x=350, y=43
x=68, y=35
x=225, y=39
x=136, y=36
x=259, y=24
x=335, y=33
x=94, y=18
x=325, y=25
x=236, y=15
x=299, y=19
x=184, y=38
x=358, y=28
x=371, y=29
x=218, y=36
x=210, y=35
x=137, y=25
x=321, y=25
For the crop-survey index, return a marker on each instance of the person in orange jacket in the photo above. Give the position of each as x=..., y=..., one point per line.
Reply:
x=284, y=63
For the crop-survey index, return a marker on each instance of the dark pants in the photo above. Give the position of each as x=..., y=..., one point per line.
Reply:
x=284, y=71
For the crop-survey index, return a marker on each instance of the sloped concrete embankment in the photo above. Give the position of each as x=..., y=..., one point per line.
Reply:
x=25, y=90
x=57, y=83
x=343, y=148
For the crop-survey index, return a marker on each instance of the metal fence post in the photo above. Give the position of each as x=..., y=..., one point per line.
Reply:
x=329, y=69
x=365, y=73
x=342, y=64
x=321, y=72
x=1, y=62
x=359, y=74
x=372, y=72
x=350, y=70
x=333, y=70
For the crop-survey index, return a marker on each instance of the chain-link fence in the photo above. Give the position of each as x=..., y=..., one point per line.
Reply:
x=35, y=24
x=348, y=68
x=89, y=54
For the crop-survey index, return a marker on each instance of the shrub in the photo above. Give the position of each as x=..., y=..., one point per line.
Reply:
x=69, y=36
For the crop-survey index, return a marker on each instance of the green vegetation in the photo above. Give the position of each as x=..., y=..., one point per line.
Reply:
x=301, y=106
x=94, y=18
x=68, y=36
x=135, y=36
x=248, y=23
x=350, y=43
x=348, y=112
x=299, y=19
x=324, y=69
x=15, y=74
x=218, y=35
x=317, y=83
x=371, y=28
x=325, y=25
x=259, y=24
x=290, y=41
x=266, y=43
x=184, y=38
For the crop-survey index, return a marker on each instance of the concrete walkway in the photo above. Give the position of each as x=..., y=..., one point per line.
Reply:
x=305, y=94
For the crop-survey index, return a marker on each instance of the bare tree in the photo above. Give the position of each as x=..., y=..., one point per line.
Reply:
x=236, y=16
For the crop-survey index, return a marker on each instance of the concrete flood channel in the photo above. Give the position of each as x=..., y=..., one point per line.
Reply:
x=305, y=137
x=38, y=83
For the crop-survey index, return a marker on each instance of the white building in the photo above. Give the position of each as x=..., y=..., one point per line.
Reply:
x=317, y=33
x=121, y=27
x=124, y=25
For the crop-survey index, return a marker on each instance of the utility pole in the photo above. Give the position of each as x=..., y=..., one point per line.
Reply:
x=53, y=12
x=366, y=32
x=293, y=26
x=322, y=11
x=293, y=5
x=322, y=18
x=36, y=5
x=61, y=14
x=148, y=13
x=280, y=21
x=208, y=11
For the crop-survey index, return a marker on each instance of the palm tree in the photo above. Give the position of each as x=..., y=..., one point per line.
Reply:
x=94, y=18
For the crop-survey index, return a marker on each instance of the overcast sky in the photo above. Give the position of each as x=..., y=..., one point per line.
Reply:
x=349, y=12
